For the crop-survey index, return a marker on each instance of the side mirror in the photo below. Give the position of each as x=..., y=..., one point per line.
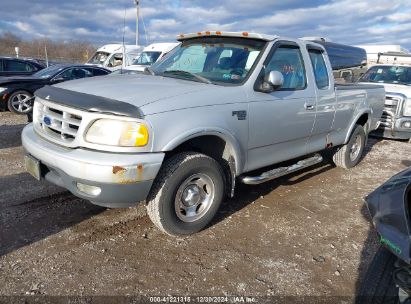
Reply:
x=275, y=79
x=272, y=81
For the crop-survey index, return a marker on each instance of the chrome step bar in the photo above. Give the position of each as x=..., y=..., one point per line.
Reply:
x=278, y=172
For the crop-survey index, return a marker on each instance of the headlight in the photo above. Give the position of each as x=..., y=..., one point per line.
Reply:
x=2, y=89
x=407, y=107
x=118, y=133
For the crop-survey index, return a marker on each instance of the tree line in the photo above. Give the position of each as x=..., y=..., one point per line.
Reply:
x=61, y=51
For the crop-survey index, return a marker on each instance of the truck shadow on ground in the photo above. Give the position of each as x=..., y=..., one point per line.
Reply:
x=246, y=194
x=10, y=136
x=28, y=222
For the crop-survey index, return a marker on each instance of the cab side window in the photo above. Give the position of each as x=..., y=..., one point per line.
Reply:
x=320, y=69
x=75, y=73
x=288, y=61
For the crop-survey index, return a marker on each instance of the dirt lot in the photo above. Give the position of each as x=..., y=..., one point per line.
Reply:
x=305, y=234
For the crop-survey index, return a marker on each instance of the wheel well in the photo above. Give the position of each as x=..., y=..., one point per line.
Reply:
x=362, y=120
x=218, y=149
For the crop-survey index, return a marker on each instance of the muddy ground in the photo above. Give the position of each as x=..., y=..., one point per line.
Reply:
x=304, y=234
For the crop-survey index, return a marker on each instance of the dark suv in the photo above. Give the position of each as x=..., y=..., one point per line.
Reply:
x=18, y=67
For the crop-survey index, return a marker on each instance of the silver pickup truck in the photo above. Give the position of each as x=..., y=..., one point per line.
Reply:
x=220, y=108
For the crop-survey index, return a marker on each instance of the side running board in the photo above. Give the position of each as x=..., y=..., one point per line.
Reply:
x=277, y=172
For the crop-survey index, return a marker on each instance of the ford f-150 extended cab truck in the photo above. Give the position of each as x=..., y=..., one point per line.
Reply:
x=220, y=108
x=396, y=117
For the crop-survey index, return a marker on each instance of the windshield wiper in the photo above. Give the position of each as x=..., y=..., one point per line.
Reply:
x=181, y=72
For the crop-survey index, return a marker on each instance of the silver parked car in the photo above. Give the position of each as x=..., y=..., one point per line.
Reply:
x=214, y=110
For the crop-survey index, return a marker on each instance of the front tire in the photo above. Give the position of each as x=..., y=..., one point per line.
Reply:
x=186, y=194
x=350, y=154
x=20, y=102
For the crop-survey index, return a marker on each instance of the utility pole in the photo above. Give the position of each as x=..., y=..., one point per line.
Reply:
x=137, y=2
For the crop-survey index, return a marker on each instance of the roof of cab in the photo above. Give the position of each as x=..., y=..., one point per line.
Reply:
x=227, y=34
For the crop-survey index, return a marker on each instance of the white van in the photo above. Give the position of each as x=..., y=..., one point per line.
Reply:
x=151, y=54
x=110, y=56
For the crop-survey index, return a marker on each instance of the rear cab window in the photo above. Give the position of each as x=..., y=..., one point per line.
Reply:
x=320, y=69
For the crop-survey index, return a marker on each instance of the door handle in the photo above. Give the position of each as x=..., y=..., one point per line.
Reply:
x=309, y=107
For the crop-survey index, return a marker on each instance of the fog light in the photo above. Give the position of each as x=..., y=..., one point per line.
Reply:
x=88, y=189
x=406, y=124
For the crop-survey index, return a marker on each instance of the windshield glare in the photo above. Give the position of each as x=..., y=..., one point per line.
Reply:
x=99, y=58
x=147, y=58
x=48, y=72
x=218, y=59
x=388, y=74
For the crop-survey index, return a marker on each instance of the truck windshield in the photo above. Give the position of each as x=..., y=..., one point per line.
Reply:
x=147, y=58
x=98, y=58
x=215, y=60
x=388, y=74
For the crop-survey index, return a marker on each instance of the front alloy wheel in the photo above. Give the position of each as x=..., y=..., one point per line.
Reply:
x=20, y=102
x=186, y=194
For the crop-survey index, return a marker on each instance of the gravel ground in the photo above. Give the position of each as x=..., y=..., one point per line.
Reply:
x=304, y=234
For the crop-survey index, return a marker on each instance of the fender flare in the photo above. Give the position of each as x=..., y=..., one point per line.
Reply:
x=237, y=153
x=357, y=117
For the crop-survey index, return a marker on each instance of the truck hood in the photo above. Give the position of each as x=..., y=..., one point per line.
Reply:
x=136, y=67
x=395, y=88
x=138, y=89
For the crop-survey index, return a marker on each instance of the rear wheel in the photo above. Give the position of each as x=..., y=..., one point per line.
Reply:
x=350, y=154
x=20, y=102
x=186, y=193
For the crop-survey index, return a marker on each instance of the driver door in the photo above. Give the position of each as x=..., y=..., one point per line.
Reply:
x=281, y=122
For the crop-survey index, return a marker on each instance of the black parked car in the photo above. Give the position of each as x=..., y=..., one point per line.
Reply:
x=388, y=279
x=16, y=93
x=19, y=67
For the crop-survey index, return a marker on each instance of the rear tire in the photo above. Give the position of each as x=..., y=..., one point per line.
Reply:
x=20, y=102
x=378, y=286
x=186, y=194
x=350, y=154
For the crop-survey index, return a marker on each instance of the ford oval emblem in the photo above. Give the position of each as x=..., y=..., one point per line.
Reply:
x=47, y=120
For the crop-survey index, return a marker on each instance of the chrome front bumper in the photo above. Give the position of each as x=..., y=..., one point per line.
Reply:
x=124, y=179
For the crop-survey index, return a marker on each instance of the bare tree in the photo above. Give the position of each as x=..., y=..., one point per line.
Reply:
x=68, y=51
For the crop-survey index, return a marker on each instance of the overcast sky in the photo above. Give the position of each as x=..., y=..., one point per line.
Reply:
x=101, y=21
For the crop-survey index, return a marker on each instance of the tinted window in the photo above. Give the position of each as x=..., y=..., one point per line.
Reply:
x=288, y=61
x=99, y=72
x=17, y=66
x=1, y=65
x=75, y=73
x=320, y=69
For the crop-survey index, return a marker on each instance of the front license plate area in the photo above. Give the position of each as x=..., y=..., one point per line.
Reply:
x=32, y=166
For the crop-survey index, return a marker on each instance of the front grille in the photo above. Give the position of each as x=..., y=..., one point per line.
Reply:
x=390, y=111
x=56, y=122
